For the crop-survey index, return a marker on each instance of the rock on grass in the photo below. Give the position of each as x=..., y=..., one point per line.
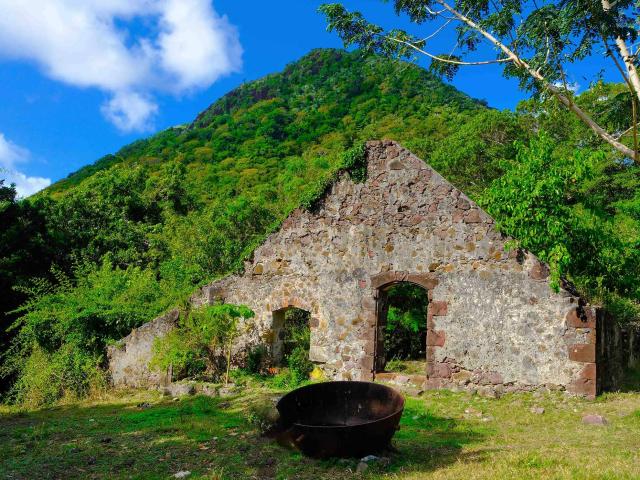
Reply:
x=594, y=420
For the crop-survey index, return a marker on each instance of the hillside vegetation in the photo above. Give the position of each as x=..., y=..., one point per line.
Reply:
x=119, y=241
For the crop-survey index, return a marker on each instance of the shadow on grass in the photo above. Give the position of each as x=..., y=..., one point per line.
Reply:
x=426, y=442
x=208, y=437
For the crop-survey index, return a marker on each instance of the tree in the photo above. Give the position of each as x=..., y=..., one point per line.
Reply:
x=26, y=250
x=536, y=43
x=530, y=201
x=577, y=211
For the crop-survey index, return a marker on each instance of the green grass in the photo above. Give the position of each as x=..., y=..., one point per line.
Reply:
x=443, y=435
x=409, y=367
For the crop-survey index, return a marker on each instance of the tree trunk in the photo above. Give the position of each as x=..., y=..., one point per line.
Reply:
x=226, y=376
x=626, y=56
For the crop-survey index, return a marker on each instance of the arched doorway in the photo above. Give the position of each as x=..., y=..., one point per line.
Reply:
x=401, y=329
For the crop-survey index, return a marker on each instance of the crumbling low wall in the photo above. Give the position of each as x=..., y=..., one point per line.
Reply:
x=617, y=349
x=129, y=359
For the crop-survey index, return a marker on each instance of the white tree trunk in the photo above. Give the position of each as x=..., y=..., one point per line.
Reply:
x=626, y=56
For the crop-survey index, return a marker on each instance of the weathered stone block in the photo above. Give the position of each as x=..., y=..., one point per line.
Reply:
x=442, y=370
x=319, y=353
x=583, y=387
x=581, y=318
x=588, y=372
x=438, y=308
x=594, y=419
x=462, y=377
x=463, y=204
x=539, y=271
x=381, y=279
x=489, y=378
x=180, y=389
x=424, y=280
x=582, y=352
x=472, y=216
x=435, y=338
x=392, y=151
x=258, y=269
x=129, y=359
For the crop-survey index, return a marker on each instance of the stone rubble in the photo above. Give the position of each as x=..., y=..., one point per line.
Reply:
x=594, y=420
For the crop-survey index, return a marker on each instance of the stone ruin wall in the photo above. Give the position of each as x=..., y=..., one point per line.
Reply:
x=129, y=359
x=493, y=321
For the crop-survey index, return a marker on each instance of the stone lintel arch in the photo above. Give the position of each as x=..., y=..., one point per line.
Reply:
x=281, y=302
x=435, y=308
x=428, y=281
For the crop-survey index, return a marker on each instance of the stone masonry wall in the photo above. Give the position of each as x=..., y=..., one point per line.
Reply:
x=129, y=359
x=493, y=321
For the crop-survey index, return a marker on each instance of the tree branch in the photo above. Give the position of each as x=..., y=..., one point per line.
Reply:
x=440, y=28
x=536, y=75
x=447, y=60
x=627, y=131
x=436, y=14
x=634, y=125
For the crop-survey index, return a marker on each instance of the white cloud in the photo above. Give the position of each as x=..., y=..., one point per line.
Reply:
x=10, y=155
x=25, y=185
x=183, y=45
x=571, y=86
x=129, y=111
x=197, y=45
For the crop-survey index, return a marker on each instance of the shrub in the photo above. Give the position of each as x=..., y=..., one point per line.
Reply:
x=530, y=201
x=288, y=378
x=62, y=331
x=296, y=344
x=352, y=161
x=202, y=342
x=555, y=204
x=299, y=364
x=406, y=327
x=257, y=358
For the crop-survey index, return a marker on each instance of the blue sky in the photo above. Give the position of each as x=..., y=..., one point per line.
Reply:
x=82, y=78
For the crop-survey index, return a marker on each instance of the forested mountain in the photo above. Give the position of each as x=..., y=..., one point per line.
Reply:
x=328, y=99
x=135, y=233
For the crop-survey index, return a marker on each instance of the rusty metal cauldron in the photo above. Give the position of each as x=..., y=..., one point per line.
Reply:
x=340, y=419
